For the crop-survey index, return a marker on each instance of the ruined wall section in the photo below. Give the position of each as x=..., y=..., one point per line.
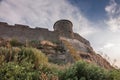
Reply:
x=23, y=33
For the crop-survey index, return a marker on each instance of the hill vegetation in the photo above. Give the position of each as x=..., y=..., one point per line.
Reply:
x=40, y=54
x=24, y=62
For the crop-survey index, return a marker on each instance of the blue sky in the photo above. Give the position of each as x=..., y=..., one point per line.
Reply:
x=96, y=20
x=92, y=9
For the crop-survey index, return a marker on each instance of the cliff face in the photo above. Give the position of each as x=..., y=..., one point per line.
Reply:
x=61, y=45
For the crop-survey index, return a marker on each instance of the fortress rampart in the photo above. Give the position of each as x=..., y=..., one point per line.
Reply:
x=23, y=32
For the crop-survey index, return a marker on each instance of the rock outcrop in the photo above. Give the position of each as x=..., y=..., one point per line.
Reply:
x=61, y=45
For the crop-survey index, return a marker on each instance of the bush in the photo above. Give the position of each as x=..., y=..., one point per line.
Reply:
x=32, y=55
x=15, y=42
x=84, y=71
x=48, y=72
x=23, y=54
x=114, y=75
x=31, y=64
x=34, y=43
x=14, y=71
x=25, y=64
x=8, y=54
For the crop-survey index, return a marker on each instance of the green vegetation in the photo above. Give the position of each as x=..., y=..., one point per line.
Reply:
x=27, y=63
x=15, y=42
x=34, y=43
x=114, y=74
x=84, y=71
x=71, y=50
x=24, y=64
x=15, y=71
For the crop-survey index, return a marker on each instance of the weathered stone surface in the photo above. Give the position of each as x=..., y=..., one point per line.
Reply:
x=61, y=45
x=64, y=28
x=23, y=32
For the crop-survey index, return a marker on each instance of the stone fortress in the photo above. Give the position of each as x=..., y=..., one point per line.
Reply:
x=76, y=44
x=22, y=32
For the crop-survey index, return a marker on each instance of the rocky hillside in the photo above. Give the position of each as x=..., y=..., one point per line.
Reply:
x=61, y=46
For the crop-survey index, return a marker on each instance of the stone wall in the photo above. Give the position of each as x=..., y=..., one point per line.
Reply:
x=23, y=32
x=81, y=39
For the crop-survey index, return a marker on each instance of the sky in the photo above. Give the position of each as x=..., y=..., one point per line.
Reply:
x=96, y=20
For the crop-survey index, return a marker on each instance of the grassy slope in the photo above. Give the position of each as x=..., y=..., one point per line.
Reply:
x=27, y=63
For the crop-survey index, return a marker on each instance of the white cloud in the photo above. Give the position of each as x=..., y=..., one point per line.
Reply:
x=112, y=37
x=43, y=13
x=108, y=45
x=113, y=11
x=112, y=50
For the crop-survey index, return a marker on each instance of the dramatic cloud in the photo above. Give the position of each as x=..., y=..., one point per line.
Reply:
x=43, y=13
x=113, y=11
x=111, y=40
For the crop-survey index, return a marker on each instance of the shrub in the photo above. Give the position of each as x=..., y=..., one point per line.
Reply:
x=25, y=64
x=114, y=75
x=31, y=64
x=15, y=42
x=30, y=55
x=14, y=71
x=68, y=74
x=8, y=54
x=36, y=55
x=48, y=72
x=84, y=71
x=34, y=43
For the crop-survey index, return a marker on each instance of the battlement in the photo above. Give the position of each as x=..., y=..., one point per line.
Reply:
x=3, y=24
x=62, y=28
x=21, y=26
x=41, y=29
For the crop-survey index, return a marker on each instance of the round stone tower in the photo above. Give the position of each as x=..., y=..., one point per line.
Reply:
x=64, y=28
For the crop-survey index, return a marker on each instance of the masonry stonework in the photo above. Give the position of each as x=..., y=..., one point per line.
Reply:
x=63, y=29
x=23, y=32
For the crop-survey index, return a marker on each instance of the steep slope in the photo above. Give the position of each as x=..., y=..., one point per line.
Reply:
x=82, y=51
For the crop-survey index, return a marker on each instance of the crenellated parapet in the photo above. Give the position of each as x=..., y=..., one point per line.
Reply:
x=62, y=28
